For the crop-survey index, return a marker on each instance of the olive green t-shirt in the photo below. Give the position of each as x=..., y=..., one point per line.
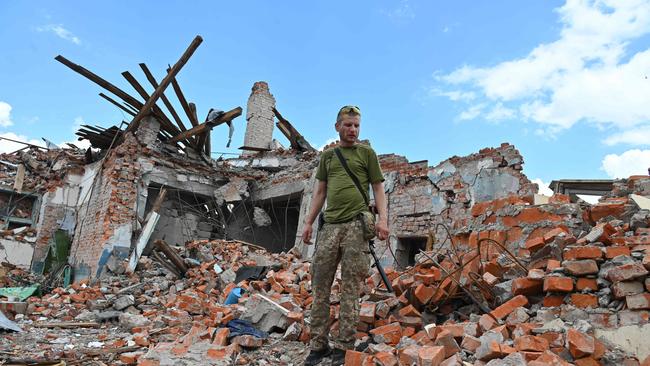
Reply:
x=344, y=201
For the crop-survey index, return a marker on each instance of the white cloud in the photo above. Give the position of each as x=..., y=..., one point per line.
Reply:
x=587, y=74
x=638, y=136
x=329, y=141
x=10, y=146
x=499, y=112
x=471, y=112
x=60, y=32
x=543, y=187
x=631, y=162
x=453, y=95
x=5, y=114
x=82, y=144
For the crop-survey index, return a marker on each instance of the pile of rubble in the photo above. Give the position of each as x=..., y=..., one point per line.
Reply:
x=553, y=284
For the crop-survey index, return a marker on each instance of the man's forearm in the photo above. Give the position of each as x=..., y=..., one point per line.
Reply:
x=380, y=201
x=317, y=202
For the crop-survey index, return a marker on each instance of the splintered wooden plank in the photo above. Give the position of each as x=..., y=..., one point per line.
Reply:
x=164, y=121
x=206, y=126
x=118, y=105
x=101, y=82
x=165, y=82
x=183, y=101
x=166, y=101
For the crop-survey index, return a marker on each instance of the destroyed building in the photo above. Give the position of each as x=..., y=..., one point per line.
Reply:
x=146, y=229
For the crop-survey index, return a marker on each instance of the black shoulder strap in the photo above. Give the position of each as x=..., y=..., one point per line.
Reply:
x=354, y=177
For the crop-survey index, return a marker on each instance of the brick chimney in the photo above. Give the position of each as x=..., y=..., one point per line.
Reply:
x=259, y=117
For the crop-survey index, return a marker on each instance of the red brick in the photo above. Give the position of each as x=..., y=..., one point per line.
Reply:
x=367, y=312
x=587, y=361
x=389, y=334
x=581, y=267
x=550, y=235
x=554, y=339
x=548, y=358
x=586, y=252
x=638, y=302
x=431, y=356
x=526, y=286
x=221, y=337
x=248, y=341
x=409, y=355
x=611, y=207
x=584, y=300
x=456, y=330
x=446, y=340
x=486, y=322
x=534, y=244
x=470, y=343
x=580, y=344
x=409, y=311
x=509, y=306
x=424, y=293
x=584, y=283
x=553, y=301
x=559, y=198
x=354, y=358
x=385, y=359
x=613, y=252
x=627, y=272
x=558, y=284
x=130, y=358
x=531, y=343
x=552, y=264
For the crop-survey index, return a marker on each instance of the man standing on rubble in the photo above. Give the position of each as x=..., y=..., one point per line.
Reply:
x=341, y=239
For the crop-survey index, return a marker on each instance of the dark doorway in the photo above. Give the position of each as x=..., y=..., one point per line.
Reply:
x=408, y=247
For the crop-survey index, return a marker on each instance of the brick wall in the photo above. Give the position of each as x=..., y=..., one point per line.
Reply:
x=259, y=117
x=420, y=197
x=108, y=217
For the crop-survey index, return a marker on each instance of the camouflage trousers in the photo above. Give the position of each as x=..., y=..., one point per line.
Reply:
x=338, y=243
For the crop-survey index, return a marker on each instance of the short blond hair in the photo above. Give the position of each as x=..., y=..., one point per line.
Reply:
x=350, y=110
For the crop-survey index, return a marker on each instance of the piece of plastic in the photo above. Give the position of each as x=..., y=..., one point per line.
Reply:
x=20, y=293
x=233, y=296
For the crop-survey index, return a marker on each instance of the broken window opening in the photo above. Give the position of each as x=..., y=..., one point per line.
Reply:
x=272, y=224
x=185, y=216
x=407, y=248
x=17, y=209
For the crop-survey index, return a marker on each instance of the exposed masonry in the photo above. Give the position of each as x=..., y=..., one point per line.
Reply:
x=102, y=208
x=262, y=197
x=259, y=117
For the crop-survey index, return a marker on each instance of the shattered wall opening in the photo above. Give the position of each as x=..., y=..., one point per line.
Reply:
x=407, y=248
x=185, y=216
x=17, y=209
x=272, y=223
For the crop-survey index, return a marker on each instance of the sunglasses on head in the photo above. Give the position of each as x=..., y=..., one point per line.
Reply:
x=350, y=109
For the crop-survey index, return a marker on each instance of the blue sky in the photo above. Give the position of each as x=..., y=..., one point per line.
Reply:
x=565, y=82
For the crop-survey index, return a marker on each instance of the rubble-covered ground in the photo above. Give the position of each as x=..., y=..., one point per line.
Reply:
x=576, y=292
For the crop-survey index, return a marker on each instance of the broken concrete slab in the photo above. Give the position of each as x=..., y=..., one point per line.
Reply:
x=265, y=314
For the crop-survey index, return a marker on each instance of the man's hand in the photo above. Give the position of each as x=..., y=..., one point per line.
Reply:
x=381, y=229
x=306, y=234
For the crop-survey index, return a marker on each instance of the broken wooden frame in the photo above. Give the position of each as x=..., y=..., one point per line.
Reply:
x=173, y=132
x=296, y=140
